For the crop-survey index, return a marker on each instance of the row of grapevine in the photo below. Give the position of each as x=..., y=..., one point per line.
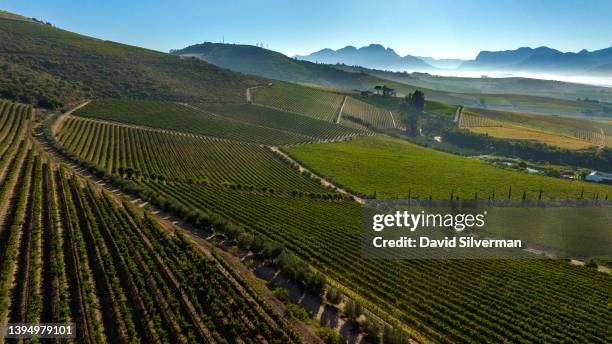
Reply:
x=449, y=301
x=265, y=116
x=162, y=155
x=469, y=120
x=300, y=100
x=182, y=117
x=374, y=116
x=70, y=252
x=598, y=138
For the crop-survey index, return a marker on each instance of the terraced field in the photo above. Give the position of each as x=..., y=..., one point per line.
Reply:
x=366, y=113
x=449, y=301
x=167, y=115
x=391, y=167
x=307, y=101
x=174, y=156
x=281, y=120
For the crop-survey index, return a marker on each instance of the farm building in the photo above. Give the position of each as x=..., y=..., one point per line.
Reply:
x=599, y=177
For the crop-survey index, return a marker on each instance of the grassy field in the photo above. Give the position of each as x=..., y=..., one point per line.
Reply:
x=391, y=167
x=364, y=112
x=281, y=120
x=307, y=101
x=441, y=108
x=167, y=115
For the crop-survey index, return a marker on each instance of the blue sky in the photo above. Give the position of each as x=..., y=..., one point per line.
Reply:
x=438, y=28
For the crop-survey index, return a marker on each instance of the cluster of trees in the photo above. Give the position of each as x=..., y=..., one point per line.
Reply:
x=411, y=112
x=531, y=151
x=384, y=90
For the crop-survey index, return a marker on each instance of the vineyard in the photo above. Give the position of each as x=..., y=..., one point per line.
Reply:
x=364, y=112
x=167, y=115
x=470, y=120
x=139, y=152
x=73, y=253
x=552, y=124
x=449, y=301
x=388, y=167
x=268, y=117
x=598, y=138
x=511, y=130
x=302, y=100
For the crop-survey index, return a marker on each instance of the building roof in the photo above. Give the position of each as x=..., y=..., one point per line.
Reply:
x=601, y=175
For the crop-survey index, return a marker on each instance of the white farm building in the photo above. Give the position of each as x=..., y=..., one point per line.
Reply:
x=599, y=177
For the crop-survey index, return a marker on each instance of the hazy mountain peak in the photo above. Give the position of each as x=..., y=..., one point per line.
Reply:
x=540, y=59
x=374, y=46
x=347, y=48
x=371, y=56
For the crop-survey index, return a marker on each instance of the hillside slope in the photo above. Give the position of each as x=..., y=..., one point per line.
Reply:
x=50, y=67
x=270, y=64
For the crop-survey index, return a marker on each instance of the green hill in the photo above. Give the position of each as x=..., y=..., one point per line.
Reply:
x=50, y=68
x=270, y=64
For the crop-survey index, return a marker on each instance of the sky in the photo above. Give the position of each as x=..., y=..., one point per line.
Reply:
x=437, y=28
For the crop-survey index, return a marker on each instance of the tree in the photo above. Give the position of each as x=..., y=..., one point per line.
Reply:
x=416, y=100
x=329, y=335
x=378, y=88
x=388, y=91
x=334, y=296
x=411, y=111
x=353, y=310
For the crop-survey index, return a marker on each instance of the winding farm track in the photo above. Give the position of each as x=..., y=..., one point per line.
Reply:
x=59, y=122
x=322, y=180
x=341, y=109
x=458, y=114
x=393, y=119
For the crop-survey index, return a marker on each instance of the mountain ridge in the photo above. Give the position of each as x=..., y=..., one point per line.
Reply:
x=371, y=56
x=523, y=59
x=540, y=59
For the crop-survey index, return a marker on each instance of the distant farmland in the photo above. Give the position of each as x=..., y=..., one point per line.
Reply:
x=506, y=129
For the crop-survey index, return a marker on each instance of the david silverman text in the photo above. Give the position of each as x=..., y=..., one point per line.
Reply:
x=462, y=242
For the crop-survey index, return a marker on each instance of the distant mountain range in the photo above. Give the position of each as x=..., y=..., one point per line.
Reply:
x=525, y=59
x=373, y=56
x=542, y=59
x=442, y=63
